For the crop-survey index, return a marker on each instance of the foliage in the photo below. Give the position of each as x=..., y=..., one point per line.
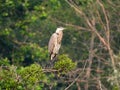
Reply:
x=31, y=76
x=8, y=78
x=64, y=64
x=31, y=53
x=23, y=77
x=90, y=44
x=4, y=62
x=116, y=73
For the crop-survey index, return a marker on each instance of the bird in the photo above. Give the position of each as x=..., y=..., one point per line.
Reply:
x=55, y=43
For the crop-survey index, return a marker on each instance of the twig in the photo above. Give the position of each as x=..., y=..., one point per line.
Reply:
x=69, y=24
x=90, y=60
x=77, y=77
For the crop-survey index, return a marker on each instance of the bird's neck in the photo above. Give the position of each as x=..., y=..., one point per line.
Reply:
x=57, y=33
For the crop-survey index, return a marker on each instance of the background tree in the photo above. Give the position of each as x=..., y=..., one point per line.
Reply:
x=88, y=58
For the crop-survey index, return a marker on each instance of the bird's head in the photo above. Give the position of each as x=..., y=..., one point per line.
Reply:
x=59, y=29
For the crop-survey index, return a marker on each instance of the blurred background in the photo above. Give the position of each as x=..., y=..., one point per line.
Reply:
x=88, y=59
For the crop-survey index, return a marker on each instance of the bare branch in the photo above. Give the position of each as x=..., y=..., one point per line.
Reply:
x=76, y=77
x=70, y=25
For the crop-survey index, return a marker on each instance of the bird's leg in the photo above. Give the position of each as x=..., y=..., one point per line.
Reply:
x=55, y=58
x=51, y=61
x=49, y=64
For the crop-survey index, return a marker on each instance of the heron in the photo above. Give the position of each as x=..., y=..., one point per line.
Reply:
x=55, y=43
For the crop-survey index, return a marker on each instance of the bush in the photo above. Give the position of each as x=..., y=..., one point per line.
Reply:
x=64, y=64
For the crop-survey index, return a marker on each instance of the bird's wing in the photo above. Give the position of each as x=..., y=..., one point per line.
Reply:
x=52, y=43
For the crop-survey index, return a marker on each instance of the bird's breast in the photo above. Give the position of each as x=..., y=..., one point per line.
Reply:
x=59, y=38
